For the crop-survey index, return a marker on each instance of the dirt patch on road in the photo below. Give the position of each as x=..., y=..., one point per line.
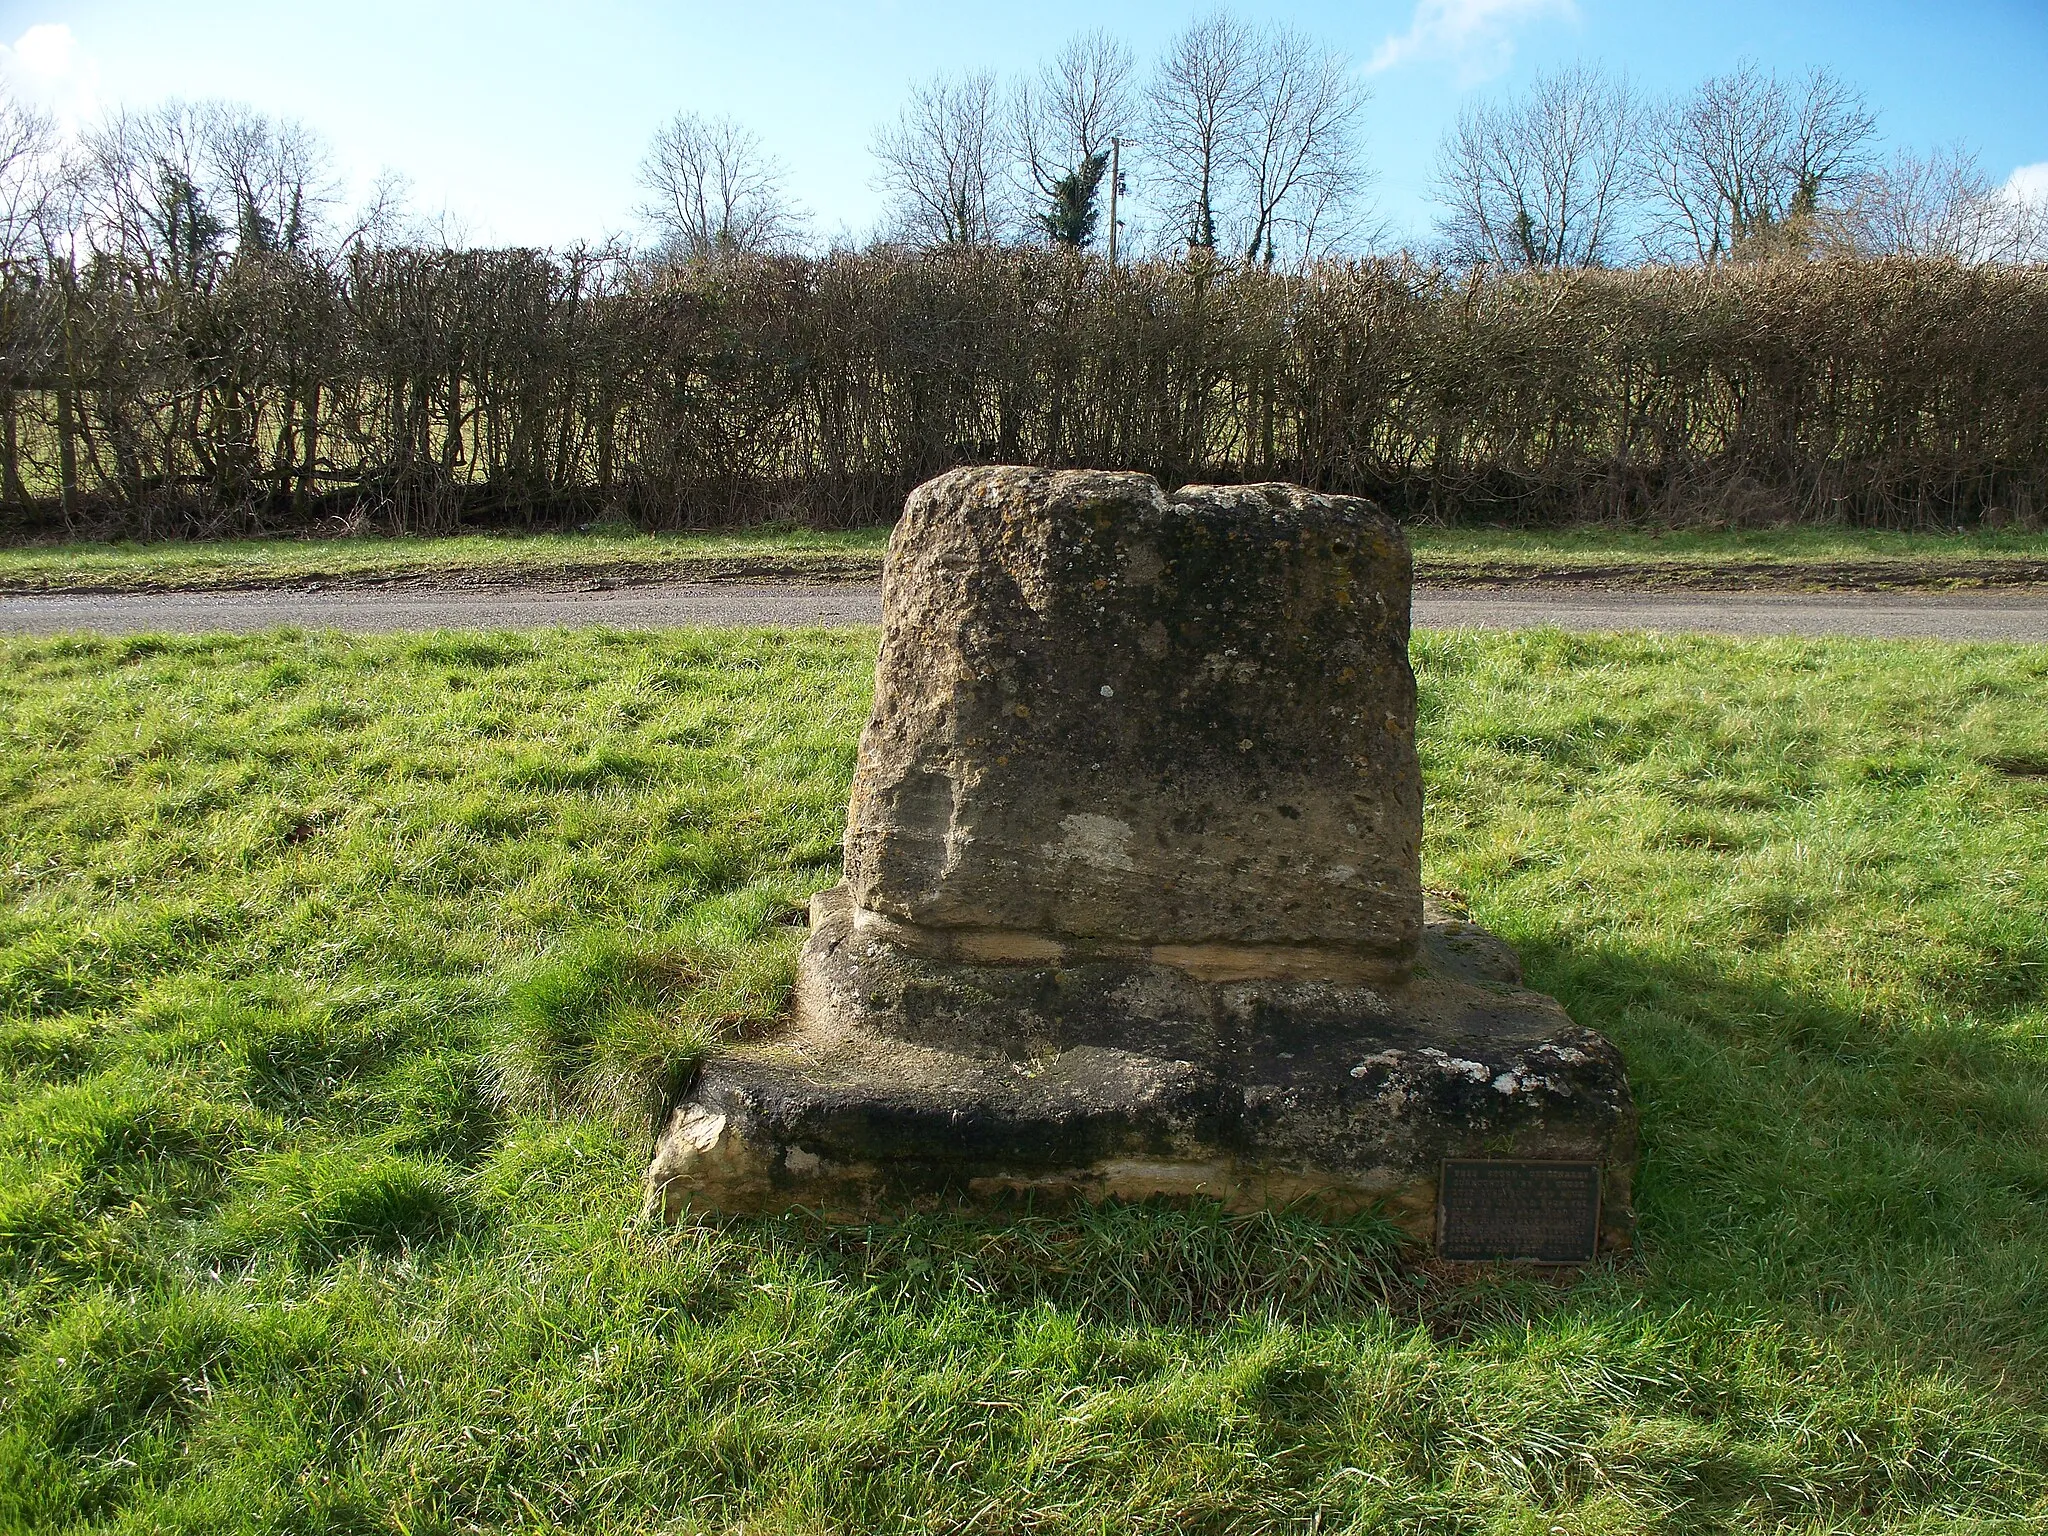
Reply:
x=1894, y=575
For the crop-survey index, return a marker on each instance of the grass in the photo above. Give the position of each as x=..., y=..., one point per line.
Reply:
x=1855, y=556
x=612, y=550
x=337, y=975
x=1815, y=556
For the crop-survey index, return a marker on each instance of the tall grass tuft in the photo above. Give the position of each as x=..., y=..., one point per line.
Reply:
x=615, y=1027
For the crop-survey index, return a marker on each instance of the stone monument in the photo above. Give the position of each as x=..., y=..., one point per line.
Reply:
x=1133, y=900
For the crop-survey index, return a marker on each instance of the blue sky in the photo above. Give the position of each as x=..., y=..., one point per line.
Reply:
x=525, y=121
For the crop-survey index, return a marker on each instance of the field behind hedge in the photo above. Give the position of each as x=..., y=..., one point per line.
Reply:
x=283, y=917
x=425, y=391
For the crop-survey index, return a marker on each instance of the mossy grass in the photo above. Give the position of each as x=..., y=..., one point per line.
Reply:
x=1819, y=555
x=340, y=978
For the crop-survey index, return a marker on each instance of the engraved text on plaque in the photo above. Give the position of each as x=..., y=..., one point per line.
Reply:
x=1512, y=1208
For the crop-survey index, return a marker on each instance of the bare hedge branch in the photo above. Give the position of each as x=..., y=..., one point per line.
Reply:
x=426, y=390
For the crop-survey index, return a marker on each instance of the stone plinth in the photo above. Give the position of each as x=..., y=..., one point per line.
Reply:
x=1133, y=901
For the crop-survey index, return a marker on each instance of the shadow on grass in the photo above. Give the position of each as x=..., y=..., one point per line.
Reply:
x=1827, y=1176
x=1875, y=1181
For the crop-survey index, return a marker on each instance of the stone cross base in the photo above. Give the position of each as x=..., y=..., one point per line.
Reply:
x=907, y=1080
x=1133, y=898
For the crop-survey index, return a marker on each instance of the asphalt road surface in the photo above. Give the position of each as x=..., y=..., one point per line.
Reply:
x=1937, y=616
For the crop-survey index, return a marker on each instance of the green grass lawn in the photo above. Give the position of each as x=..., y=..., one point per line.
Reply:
x=336, y=975
x=1901, y=555
x=537, y=557
x=1814, y=554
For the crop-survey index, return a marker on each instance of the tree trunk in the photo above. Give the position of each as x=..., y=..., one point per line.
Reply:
x=309, y=449
x=11, y=487
x=67, y=455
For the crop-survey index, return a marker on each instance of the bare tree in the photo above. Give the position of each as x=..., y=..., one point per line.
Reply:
x=1063, y=121
x=33, y=218
x=276, y=177
x=175, y=190
x=147, y=198
x=1202, y=98
x=1743, y=165
x=714, y=191
x=385, y=217
x=1541, y=180
x=1297, y=162
x=1939, y=205
x=1252, y=136
x=944, y=162
x=31, y=170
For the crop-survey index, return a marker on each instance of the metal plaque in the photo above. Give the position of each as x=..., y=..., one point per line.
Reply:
x=1535, y=1211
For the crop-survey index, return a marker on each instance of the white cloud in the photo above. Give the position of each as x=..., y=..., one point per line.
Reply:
x=47, y=69
x=2029, y=184
x=1478, y=36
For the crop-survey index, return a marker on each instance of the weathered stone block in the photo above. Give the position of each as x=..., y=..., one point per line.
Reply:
x=1133, y=896
x=1102, y=713
x=902, y=1079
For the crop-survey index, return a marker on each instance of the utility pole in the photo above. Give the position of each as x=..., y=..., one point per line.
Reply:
x=1116, y=146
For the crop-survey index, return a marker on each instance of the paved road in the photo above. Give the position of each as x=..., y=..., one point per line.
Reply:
x=1942, y=616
